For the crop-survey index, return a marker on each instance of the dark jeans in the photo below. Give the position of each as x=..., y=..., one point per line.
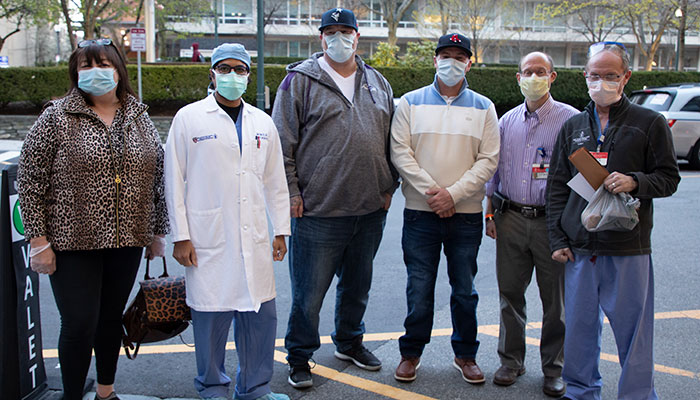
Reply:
x=319, y=249
x=91, y=288
x=424, y=235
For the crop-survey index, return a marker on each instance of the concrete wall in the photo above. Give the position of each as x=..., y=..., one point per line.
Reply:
x=15, y=127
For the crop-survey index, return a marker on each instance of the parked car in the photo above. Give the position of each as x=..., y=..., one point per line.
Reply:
x=680, y=104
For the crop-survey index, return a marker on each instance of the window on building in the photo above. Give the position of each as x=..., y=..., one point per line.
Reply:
x=237, y=11
x=558, y=55
x=578, y=56
x=275, y=49
x=509, y=55
x=294, y=49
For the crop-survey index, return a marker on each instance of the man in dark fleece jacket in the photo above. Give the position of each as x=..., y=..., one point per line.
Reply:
x=609, y=271
x=333, y=113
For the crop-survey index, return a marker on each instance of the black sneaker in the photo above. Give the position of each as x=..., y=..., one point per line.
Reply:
x=300, y=376
x=362, y=357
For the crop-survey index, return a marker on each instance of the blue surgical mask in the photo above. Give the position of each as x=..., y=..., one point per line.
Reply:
x=231, y=86
x=450, y=71
x=340, y=46
x=96, y=81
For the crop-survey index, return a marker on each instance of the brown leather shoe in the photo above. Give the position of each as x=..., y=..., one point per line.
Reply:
x=406, y=371
x=554, y=386
x=470, y=371
x=506, y=376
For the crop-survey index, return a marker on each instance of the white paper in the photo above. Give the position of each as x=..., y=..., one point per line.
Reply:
x=659, y=98
x=580, y=185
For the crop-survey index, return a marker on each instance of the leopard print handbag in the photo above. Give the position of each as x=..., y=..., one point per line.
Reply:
x=165, y=297
x=157, y=313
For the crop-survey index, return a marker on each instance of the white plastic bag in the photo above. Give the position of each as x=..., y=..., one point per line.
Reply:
x=610, y=212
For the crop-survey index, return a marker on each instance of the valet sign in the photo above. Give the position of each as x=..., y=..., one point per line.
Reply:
x=32, y=375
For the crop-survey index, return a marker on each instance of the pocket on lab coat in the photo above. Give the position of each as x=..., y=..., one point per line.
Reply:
x=259, y=157
x=260, y=231
x=206, y=228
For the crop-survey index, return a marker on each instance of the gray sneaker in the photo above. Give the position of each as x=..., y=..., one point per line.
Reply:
x=361, y=357
x=300, y=376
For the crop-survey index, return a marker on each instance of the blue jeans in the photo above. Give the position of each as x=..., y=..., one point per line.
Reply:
x=424, y=235
x=319, y=249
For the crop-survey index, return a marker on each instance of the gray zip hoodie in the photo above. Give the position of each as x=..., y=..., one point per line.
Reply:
x=335, y=152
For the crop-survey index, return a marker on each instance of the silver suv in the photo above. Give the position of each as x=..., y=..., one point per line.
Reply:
x=680, y=104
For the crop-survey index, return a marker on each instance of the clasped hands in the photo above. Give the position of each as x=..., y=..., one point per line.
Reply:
x=441, y=202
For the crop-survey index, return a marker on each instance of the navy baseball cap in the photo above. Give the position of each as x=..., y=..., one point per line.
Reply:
x=454, y=40
x=338, y=16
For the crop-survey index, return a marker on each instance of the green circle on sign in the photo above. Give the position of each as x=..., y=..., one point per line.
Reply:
x=17, y=219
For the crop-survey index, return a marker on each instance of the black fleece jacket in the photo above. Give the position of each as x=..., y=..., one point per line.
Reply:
x=639, y=144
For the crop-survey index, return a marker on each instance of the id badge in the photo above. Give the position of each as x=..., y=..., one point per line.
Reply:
x=539, y=171
x=602, y=157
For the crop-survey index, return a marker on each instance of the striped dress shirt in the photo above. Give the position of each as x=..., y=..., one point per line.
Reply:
x=522, y=133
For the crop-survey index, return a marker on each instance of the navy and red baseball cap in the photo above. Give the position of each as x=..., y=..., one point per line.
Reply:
x=338, y=16
x=454, y=40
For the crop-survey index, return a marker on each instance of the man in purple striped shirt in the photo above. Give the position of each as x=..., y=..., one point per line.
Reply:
x=516, y=195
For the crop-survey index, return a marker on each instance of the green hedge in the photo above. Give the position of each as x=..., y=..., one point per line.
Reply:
x=166, y=88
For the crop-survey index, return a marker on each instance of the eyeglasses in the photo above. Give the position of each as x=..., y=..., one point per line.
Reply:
x=606, y=77
x=527, y=73
x=596, y=48
x=226, y=69
x=99, y=42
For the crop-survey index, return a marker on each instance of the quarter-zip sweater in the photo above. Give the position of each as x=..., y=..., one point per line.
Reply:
x=336, y=152
x=67, y=177
x=447, y=143
x=638, y=142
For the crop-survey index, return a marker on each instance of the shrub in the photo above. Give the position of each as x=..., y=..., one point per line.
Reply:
x=385, y=55
x=166, y=88
x=419, y=54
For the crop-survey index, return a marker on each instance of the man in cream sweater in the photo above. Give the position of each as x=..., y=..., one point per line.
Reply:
x=444, y=143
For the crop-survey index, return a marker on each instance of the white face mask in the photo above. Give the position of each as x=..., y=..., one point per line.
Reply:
x=604, y=93
x=534, y=87
x=339, y=46
x=450, y=71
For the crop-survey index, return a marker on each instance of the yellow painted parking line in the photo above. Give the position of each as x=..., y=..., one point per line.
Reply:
x=360, y=383
x=394, y=392
x=689, y=176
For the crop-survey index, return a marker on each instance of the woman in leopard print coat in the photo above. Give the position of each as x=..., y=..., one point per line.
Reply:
x=90, y=185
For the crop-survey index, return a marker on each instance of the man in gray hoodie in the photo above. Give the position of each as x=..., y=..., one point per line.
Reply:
x=333, y=113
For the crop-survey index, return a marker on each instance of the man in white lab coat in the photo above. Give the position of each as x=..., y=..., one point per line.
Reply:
x=223, y=168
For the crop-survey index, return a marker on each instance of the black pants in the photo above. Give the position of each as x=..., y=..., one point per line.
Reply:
x=91, y=288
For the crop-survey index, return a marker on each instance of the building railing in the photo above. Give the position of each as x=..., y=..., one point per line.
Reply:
x=315, y=21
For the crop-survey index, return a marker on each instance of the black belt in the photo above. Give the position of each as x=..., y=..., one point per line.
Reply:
x=527, y=211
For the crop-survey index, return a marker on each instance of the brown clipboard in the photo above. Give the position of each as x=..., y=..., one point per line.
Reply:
x=589, y=167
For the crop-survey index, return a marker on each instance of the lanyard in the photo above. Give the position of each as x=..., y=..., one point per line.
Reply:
x=601, y=135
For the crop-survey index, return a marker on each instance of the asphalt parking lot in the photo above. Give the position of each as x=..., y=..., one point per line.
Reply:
x=166, y=370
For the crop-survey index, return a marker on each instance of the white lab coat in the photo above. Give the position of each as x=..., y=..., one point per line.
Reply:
x=217, y=198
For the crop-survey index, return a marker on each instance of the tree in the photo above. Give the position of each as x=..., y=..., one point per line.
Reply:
x=478, y=17
x=393, y=11
x=648, y=21
x=591, y=18
x=195, y=10
x=21, y=13
x=95, y=14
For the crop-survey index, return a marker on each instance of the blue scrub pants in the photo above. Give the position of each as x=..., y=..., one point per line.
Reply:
x=622, y=288
x=254, y=334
